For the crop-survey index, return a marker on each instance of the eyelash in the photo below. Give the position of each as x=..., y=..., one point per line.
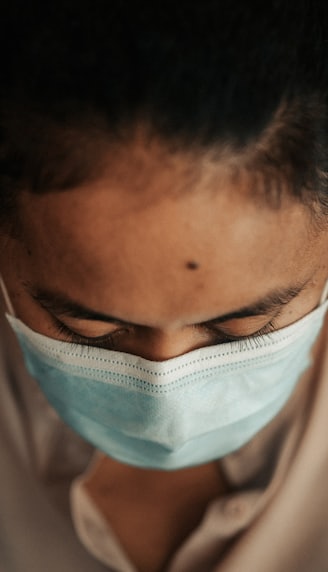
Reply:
x=107, y=341
x=246, y=342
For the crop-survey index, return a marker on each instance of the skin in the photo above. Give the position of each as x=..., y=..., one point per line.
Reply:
x=165, y=243
x=168, y=246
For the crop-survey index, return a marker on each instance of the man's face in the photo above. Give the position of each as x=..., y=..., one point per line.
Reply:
x=160, y=256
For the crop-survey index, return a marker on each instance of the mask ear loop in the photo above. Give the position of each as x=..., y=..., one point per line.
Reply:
x=324, y=294
x=6, y=297
x=25, y=423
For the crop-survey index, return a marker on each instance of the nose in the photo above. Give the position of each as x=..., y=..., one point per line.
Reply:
x=157, y=345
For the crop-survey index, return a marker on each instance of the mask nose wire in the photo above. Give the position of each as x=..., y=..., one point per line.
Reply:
x=6, y=297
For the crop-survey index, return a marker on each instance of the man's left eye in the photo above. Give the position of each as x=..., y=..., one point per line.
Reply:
x=231, y=337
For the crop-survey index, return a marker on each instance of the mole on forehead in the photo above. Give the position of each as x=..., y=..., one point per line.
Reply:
x=192, y=265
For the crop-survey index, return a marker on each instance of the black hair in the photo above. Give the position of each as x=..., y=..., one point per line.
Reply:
x=248, y=76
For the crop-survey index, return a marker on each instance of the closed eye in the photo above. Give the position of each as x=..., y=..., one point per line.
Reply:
x=239, y=331
x=109, y=341
x=105, y=341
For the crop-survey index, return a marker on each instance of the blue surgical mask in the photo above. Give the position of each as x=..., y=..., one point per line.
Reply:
x=177, y=413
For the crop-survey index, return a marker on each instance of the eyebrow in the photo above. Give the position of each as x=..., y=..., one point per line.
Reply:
x=61, y=305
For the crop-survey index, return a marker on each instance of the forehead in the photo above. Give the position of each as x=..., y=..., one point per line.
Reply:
x=163, y=235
